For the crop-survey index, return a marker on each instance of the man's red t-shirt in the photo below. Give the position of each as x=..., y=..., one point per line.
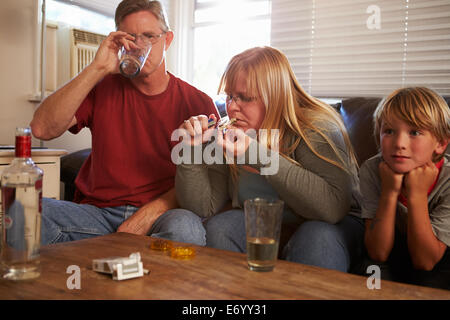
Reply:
x=130, y=162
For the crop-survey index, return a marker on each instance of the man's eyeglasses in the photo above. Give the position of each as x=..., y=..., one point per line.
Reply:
x=239, y=99
x=147, y=38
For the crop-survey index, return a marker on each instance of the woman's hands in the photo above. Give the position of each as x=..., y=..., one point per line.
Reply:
x=196, y=131
x=233, y=141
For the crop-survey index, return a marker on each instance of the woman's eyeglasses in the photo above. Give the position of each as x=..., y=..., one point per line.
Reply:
x=240, y=100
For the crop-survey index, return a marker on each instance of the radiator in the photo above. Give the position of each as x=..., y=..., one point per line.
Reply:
x=83, y=45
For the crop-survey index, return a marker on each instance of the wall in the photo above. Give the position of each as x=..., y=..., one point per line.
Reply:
x=19, y=62
x=67, y=141
x=20, y=77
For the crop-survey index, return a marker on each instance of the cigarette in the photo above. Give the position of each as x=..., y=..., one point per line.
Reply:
x=224, y=126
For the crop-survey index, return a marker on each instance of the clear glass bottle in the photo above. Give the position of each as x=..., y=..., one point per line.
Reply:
x=21, y=184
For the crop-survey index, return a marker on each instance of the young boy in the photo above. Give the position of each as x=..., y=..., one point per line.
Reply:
x=406, y=189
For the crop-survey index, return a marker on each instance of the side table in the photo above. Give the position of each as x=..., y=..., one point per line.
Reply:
x=46, y=159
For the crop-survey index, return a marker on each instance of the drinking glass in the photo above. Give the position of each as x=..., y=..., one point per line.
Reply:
x=263, y=226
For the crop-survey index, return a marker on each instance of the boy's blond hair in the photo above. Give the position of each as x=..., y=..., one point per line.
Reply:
x=420, y=107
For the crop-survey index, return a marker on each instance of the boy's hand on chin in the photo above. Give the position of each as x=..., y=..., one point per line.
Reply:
x=390, y=180
x=419, y=180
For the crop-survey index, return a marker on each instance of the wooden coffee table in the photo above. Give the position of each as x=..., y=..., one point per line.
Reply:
x=212, y=274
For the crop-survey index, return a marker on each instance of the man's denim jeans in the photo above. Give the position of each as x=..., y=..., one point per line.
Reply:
x=68, y=221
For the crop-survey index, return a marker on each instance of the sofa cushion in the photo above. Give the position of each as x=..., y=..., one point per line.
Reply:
x=357, y=114
x=70, y=165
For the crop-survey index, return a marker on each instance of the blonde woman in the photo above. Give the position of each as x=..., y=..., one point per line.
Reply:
x=316, y=176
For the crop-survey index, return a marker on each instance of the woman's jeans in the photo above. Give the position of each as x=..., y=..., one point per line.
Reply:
x=68, y=221
x=333, y=246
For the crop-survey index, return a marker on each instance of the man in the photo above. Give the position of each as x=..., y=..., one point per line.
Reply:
x=127, y=183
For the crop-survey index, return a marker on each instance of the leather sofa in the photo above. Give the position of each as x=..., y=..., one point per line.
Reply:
x=70, y=165
x=356, y=112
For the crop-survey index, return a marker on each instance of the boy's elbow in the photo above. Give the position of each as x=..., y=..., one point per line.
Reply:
x=425, y=265
x=378, y=256
x=426, y=260
x=376, y=253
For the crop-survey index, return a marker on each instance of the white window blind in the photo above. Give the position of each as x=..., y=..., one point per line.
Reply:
x=428, y=45
x=344, y=48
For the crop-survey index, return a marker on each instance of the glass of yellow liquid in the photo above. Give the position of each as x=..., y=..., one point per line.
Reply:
x=262, y=225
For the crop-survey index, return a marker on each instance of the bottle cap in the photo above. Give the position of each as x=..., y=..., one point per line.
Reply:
x=226, y=124
x=23, y=143
x=182, y=253
x=161, y=245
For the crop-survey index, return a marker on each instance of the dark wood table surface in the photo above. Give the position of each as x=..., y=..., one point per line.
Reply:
x=212, y=274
